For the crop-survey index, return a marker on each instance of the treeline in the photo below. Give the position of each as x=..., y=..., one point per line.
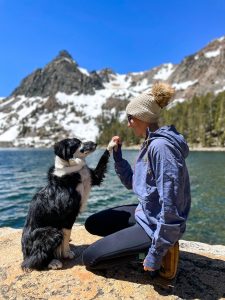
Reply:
x=110, y=126
x=201, y=120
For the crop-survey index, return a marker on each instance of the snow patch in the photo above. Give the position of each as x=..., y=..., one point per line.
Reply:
x=184, y=85
x=164, y=72
x=84, y=71
x=136, y=73
x=221, y=39
x=67, y=59
x=214, y=53
x=120, y=81
x=220, y=90
x=141, y=86
x=122, y=116
x=42, y=120
x=10, y=134
x=174, y=102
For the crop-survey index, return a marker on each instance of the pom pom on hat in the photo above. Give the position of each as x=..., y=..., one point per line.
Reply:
x=147, y=106
x=162, y=93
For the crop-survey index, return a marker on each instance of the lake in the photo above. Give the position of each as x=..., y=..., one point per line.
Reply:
x=23, y=171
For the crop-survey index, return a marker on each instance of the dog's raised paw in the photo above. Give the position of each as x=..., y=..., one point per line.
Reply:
x=55, y=264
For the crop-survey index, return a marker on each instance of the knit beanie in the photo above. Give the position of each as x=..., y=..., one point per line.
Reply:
x=147, y=106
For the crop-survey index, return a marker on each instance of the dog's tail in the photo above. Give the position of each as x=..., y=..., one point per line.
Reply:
x=44, y=242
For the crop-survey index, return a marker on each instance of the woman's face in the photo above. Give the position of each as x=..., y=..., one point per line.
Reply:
x=139, y=127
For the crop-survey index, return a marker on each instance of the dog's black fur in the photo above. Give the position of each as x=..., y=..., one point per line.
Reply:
x=56, y=206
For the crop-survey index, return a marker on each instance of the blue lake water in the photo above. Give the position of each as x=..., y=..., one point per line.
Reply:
x=23, y=171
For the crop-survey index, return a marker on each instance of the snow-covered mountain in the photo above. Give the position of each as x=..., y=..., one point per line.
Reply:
x=64, y=100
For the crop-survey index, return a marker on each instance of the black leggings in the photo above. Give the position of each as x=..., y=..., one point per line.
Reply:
x=123, y=237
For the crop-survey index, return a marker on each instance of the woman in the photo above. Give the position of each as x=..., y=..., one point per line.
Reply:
x=161, y=182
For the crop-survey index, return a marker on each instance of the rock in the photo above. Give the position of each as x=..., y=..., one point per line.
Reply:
x=201, y=70
x=60, y=75
x=200, y=274
x=107, y=74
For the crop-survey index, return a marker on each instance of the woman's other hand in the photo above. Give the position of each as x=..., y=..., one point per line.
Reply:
x=147, y=268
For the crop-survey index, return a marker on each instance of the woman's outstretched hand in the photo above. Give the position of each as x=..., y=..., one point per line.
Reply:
x=113, y=144
x=117, y=140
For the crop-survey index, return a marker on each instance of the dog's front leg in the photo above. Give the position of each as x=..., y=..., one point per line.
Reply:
x=98, y=174
x=66, y=252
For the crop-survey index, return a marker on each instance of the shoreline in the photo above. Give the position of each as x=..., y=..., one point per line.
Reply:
x=192, y=149
x=133, y=147
x=213, y=149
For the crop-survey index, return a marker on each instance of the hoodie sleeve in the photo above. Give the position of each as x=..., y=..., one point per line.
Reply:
x=167, y=167
x=123, y=168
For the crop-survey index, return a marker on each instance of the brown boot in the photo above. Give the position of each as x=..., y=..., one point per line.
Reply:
x=170, y=262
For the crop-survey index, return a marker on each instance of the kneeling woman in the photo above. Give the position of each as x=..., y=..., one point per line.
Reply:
x=161, y=182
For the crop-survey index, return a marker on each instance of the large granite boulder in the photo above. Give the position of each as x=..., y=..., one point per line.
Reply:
x=200, y=274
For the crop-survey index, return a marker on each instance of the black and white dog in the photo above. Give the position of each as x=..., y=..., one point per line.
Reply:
x=54, y=208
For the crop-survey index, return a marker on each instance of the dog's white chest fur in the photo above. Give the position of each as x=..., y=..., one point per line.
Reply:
x=84, y=187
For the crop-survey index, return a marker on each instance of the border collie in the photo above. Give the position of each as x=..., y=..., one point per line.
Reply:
x=54, y=208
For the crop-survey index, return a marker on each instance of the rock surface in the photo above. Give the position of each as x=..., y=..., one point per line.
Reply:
x=200, y=275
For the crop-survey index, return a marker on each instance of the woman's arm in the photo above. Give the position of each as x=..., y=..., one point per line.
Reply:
x=122, y=167
x=167, y=166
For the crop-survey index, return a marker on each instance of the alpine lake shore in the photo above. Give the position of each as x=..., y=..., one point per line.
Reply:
x=201, y=271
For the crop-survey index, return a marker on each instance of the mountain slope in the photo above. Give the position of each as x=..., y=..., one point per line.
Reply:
x=202, y=72
x=63, y=99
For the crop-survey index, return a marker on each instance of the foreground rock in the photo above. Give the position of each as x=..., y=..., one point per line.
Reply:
x=200, y=275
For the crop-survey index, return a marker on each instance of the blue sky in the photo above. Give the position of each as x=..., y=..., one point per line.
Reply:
x=127, y=36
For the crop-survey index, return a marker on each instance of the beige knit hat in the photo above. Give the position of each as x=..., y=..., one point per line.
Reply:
x=147, y=106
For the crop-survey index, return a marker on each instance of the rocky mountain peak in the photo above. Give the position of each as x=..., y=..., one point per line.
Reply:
x=65, y=53
x=62, y=74
x=65, y=58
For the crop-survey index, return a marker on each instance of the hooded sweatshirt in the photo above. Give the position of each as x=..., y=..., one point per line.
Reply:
x=161, y=182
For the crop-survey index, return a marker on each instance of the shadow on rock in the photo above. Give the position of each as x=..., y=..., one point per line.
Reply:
x=78, y=250
x=198, y=276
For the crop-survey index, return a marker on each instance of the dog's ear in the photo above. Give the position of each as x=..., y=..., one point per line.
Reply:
x=62, y=149
x=66, y=148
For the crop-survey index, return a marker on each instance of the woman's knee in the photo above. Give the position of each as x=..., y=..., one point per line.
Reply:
x=90, y=224
x=97, y=223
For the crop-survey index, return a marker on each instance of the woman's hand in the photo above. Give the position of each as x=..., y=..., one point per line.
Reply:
x=113, y=144
x=117, y=140
x=147, y=268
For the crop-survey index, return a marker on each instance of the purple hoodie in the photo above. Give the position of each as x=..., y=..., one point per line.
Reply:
x=161, y=182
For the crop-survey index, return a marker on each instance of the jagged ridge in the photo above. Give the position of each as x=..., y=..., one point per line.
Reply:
x=63, y=99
